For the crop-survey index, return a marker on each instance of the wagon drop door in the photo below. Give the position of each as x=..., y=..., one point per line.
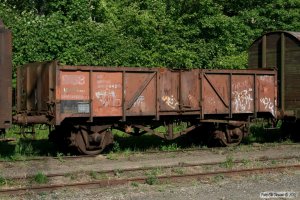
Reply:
x=107, y=94
x=140, y=97
x=179, y=91
x=215, y=93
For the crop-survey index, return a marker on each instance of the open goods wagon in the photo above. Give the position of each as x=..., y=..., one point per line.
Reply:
x=6, y=78
x=86, y=102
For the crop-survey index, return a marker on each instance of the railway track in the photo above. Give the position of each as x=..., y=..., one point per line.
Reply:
x=113, y=180
x=144, y=152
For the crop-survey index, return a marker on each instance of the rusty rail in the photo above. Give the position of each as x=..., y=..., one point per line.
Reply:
x=180, y=164
x=142, y=152
x=114, y=182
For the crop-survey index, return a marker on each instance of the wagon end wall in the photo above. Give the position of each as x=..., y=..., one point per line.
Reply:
x=6, y=76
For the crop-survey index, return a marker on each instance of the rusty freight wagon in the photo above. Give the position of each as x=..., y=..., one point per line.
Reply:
x=85, y=102
x=6, y=78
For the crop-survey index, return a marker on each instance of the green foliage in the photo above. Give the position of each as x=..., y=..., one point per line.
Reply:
x=116, y=147
x=171, y=33
x=228, y=163
x=118, y=172
x=94, y=175
x=218, y=178
x=170, y=147
x=134, y=184
x=151, y=180
x=152, y=177
x=40, y=178
x=60, y=156
x=246, y=162
x=71, y=176
x=179, y=171
x=2, y=181
x=24, y=148
x=259, y=133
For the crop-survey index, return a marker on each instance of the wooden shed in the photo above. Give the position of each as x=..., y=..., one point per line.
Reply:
x=281, y=50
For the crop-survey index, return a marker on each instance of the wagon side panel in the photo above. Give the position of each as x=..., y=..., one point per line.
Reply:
x=107, y=94
x=215, y=93
x=140, y=90
x=190, y=91
x=72, y=95
x=266, y=89
x=230, y=93
x=242, y=93
x=169, y=91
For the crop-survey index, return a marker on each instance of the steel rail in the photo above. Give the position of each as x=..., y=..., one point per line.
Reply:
x=180, y=164
x=141, y=152
x=114, y=182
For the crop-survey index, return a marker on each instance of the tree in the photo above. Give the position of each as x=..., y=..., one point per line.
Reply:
x=169, y=33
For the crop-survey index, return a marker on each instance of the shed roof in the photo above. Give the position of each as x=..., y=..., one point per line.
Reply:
x=294, y=34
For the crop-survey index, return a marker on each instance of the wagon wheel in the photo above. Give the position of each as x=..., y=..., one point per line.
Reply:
x=230, y=137
x=88, y=146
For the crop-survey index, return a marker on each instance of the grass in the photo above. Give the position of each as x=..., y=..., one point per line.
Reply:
x=59, y=156
x=71, y=176
x=274, y=162
x=228, y=163
x=94, y=175
x=218, y=178
x=259, y=133
x=177, y=170
x=6, y=181
x=152, y=176
x=151, y=179
x=170, y=147
x=118, y=172
x=246, y=162
x=40, y=178
x=2, y=181
x=134, y=184
x=112, y=156
x=147, y=142
x=24, y=148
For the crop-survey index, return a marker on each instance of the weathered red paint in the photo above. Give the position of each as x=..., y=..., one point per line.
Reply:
x=73, y=86
x=233, y=92
x=107, y=95
x=6, y=76
x=92, y=93
x=140, y=90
